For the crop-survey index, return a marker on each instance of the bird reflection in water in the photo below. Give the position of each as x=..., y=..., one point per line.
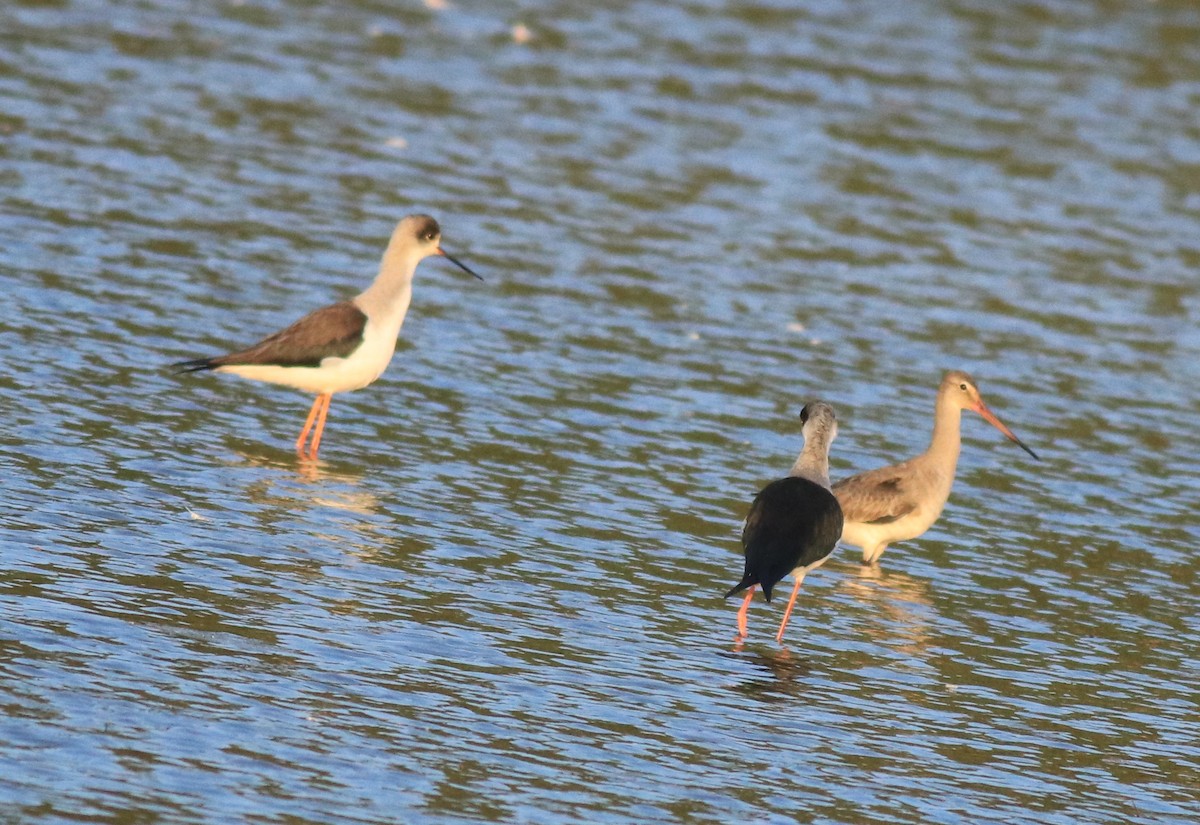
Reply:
x=294, y=486
x=783, y=674
x=896, y=606
x=318, y=484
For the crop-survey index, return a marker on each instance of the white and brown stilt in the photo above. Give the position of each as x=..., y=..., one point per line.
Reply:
x=344, y=346
x=902, y=501
x=794, y=523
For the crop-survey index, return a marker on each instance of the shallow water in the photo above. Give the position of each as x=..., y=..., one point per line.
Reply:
x=497, y=598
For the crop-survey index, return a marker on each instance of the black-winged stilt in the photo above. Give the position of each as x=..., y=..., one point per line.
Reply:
x=794, y=523
x=344, y=346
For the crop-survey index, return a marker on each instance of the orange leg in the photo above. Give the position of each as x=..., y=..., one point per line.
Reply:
x=320, y=428
x=791, y=603
x=742, y=629
x=308, y=423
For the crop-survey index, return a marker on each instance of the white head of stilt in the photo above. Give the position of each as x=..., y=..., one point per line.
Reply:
x=820, y=429
x=415, y=238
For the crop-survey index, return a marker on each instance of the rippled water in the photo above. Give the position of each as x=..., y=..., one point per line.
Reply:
x=498, y=596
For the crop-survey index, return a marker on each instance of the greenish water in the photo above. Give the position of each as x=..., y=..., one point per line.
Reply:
x=498, y=596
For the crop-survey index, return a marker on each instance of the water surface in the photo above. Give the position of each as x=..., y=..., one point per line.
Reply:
x=497, y=598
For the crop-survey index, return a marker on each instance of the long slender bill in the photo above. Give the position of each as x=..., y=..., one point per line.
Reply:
x=990, y=417
x=458, y=263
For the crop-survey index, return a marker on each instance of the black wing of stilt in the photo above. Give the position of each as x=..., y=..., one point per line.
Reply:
x=334, y=331
x=793, y=522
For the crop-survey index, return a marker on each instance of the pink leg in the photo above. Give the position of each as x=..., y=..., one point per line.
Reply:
x=741, y=614
x=791, y=603
x=320, y=427
x=308, y=423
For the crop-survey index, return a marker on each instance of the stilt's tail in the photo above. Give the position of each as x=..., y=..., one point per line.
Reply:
x=748, y=580
x=195, y=365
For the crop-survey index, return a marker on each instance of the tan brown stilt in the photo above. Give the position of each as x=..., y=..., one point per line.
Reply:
x=902, y=501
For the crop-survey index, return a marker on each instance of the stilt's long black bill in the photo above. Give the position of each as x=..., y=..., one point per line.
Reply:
x=459, y=263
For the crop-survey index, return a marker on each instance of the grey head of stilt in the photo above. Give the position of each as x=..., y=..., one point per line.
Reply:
x=820, y=429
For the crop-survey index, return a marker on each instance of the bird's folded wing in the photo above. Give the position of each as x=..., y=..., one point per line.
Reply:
x=331, y=332
x=875, y=497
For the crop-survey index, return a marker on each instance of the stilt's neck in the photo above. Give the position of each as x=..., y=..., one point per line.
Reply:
x=813, y=461
x=392, y=289
x=820, y=429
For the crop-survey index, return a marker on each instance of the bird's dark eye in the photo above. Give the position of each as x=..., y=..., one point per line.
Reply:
x=428, y=235
x=962, y=387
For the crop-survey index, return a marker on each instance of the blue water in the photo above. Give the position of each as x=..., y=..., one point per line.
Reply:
x=497, y=598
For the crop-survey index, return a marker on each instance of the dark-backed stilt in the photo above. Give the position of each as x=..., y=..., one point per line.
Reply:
x=794, y=523
x=344, y=346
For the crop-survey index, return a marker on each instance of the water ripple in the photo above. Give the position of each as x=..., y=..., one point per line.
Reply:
x=498, y=596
